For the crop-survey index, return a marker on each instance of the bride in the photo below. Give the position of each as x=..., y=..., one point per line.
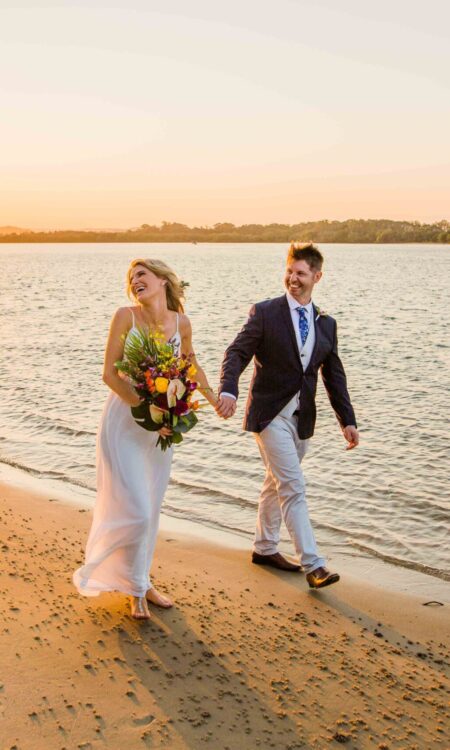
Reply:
x=132, y=473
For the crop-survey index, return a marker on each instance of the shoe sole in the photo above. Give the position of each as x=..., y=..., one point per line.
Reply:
x=276, y=567
x=327, y=582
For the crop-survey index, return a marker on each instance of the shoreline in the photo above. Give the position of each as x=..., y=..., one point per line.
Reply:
x=248, y=657
x=376, y=571
x=125, y=237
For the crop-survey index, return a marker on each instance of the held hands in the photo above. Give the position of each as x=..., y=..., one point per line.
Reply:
x=351, y=435
x=226, y=406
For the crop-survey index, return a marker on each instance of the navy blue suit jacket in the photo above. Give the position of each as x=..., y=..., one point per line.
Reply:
x=268, y=336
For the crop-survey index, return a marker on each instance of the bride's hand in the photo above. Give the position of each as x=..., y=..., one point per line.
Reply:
x=210, y=396
x=214, y=401
x=165, y=432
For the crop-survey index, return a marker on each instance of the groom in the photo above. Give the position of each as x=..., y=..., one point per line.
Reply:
x=290, y=340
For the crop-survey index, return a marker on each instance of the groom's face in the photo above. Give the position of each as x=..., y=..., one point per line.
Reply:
x=300, y=278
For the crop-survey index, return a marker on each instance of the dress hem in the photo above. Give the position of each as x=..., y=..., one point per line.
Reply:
x=86, y=590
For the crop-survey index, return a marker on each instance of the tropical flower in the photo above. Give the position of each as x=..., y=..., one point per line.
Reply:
x=175, y=390
x=157, y=414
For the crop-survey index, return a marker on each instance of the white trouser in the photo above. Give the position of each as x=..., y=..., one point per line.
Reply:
x=283, y=493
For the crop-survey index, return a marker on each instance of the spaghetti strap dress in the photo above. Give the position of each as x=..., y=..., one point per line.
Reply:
x=132, y=478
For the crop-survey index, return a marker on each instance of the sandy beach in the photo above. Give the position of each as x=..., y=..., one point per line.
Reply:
x=247, y=658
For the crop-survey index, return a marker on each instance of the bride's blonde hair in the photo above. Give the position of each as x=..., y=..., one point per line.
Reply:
x=174, y=285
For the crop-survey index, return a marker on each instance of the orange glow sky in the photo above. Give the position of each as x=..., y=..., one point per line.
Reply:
x=245, y=111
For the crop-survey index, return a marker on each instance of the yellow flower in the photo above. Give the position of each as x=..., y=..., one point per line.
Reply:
x=192, y=372
x=161, y=384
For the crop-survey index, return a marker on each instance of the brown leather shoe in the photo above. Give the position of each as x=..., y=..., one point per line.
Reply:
x=321, y=577
x=275, y=561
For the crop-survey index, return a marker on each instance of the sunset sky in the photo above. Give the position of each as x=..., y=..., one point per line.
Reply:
x=116, y=114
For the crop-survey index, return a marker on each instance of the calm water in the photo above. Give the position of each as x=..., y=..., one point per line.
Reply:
x=389, y=498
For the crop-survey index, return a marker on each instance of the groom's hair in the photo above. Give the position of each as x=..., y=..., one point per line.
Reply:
x=306, y=251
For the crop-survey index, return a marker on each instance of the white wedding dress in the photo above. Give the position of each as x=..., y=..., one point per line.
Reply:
x=132, y=477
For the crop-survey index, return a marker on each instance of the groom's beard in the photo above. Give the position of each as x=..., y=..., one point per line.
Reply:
x=297, y=289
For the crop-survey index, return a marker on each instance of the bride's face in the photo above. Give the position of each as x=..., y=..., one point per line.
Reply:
x=145, y=284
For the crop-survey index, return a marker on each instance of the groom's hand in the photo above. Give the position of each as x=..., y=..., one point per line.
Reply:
x=226, y=406
x=351, y=435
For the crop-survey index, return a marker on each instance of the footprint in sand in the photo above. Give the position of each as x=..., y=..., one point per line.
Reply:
x=143, y=720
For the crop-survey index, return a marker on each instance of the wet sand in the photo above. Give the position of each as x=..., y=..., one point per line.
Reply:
x=248, y=658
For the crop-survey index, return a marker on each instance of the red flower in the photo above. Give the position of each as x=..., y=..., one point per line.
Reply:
x=180, y=408
x=161, y=401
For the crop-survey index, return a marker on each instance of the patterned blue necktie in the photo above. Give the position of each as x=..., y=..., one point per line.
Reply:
x=303, y=324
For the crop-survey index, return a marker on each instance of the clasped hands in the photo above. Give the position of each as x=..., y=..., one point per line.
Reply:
x=226, y=406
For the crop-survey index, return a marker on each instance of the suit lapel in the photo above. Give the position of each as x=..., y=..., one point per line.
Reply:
x=289, y=326
x=318, y=333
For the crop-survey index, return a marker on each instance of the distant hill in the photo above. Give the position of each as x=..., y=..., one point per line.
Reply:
x=12, y=230
x=103, y=230
x=373, y=231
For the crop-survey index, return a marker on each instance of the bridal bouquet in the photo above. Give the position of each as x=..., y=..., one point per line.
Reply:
x=163, y=381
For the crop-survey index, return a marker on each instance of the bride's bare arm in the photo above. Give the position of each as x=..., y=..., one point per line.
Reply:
x=187, y=348
x=119, y=327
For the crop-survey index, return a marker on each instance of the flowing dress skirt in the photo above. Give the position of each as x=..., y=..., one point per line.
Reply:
x=132, y=477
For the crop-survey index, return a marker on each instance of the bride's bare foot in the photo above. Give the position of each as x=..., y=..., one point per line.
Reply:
x=160, y=600
x=139, y=609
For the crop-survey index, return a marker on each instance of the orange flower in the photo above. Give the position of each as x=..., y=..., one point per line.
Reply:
x=195, y=405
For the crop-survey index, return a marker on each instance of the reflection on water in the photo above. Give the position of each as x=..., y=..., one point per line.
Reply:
x=390, y=497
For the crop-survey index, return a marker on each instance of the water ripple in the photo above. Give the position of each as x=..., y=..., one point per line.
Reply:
x=390, y=498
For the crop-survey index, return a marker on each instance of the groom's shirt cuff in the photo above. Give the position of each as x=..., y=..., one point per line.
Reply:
x=230, y=395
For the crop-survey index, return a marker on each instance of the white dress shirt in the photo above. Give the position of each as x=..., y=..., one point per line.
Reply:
x=305, y=350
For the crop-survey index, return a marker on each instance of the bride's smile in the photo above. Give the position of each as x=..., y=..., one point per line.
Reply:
x=145, y=284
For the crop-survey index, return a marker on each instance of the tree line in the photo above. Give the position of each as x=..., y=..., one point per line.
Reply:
x=352, y=230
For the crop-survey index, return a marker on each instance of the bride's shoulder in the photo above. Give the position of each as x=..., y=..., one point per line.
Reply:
x=184, y=324
x=124, y=313
x=122, y=320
